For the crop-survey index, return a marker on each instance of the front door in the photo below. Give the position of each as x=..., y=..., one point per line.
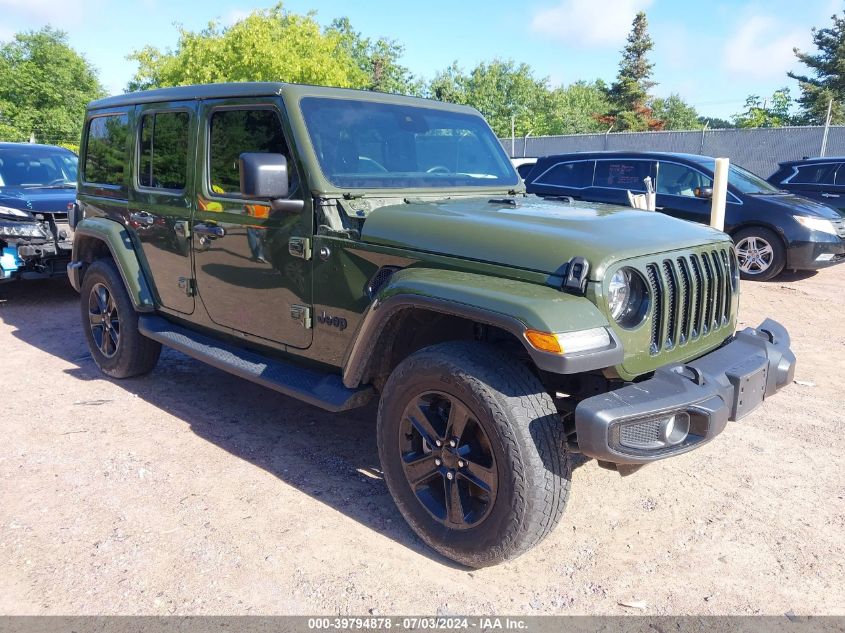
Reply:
x=248, y=276
x=676, y=192
x=161, y=198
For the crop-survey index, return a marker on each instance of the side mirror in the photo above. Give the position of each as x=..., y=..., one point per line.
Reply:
x=264, y=176
x=704, y=192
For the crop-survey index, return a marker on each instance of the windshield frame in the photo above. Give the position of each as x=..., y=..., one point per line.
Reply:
x=59, y=156
x=508, y=181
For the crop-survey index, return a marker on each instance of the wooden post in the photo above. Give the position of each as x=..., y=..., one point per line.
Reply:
x=720, y=194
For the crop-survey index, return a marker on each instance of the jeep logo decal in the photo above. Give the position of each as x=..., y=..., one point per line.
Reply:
x=333, y=321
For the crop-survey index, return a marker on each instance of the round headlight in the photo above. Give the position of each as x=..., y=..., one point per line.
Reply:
x=627, y=297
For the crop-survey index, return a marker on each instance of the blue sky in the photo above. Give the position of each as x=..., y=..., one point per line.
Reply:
x=714, y=54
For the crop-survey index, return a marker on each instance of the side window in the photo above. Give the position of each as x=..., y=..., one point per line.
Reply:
x=680, y=180
x=163, y=160
x=576, y=175
x=840, y=175
x=233, y=132
x=622, y=174
x=105, y=152
x=814, y=175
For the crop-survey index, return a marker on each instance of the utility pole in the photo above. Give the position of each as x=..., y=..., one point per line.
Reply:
x=513, y=136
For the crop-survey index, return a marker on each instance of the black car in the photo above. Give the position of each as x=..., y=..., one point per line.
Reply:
x=821, y=179
x=772, y=229
x=37, y=183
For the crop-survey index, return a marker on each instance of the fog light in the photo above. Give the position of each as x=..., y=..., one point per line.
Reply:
x=674, y=429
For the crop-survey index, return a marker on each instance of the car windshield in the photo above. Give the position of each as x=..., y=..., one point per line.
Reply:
x=747, y=182
x=362, y=144
x=23, y=167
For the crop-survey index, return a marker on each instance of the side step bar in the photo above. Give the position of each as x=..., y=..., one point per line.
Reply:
x=323, y=390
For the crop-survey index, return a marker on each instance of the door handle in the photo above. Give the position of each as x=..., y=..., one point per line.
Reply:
x=209, y=230
x=830, y=195
x=142, y=218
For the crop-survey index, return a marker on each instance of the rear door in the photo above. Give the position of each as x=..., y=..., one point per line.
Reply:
x=566, y=178
x=615, y=177
x=815, y=181
x=676, y=190
x=252, y=268
x=161, y=197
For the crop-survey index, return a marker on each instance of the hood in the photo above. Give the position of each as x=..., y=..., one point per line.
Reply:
x=798, y=205
x=37, y=199
x=539, y=235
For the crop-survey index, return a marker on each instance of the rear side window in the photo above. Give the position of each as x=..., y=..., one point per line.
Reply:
x=576, y=175
x=234, y=132
x=163, y=161
x=840, y=175
x=814, y=175
x=622, y=174
x=105, y=152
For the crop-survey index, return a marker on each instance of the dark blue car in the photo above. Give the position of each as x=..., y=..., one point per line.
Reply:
x=37, y=183
x=821, y=179
x=772, y=229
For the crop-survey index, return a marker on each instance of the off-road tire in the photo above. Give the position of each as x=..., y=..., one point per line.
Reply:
x=778, y=257
x=135, y=354
x=526, y=436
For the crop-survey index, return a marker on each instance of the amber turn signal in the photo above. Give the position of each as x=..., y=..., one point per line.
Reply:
x=544, y=341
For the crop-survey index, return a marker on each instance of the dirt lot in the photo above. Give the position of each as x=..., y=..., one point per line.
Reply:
x=191, y=491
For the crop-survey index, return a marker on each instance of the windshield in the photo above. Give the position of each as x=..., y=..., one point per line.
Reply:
x=22, y=167
x=361, y=144
x=747, y=182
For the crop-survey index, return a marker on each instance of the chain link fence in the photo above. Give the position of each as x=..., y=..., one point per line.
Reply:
x=759, y=150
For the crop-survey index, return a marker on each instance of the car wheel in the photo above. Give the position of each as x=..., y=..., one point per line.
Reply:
x=760, y=252
x=473, y=452
x=111, y=324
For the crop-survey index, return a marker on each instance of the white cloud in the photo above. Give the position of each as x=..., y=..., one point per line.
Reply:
x=235, y=15
x=39, y=12
x=588, y=22
x=762, y=47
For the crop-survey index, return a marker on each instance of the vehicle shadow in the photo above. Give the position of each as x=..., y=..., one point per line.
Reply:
x=331, y=457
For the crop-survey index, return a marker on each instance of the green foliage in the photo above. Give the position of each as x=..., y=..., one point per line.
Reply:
x=772, y=112
x=268, y=45
x=629, y=94
x=715, y=123
x=674, y=113
x=576, y=109
x=826, y=80
x=378, y=60
x=44, y=88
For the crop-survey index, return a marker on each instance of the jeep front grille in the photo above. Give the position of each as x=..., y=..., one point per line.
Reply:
x=839, y=225
x=691, y=297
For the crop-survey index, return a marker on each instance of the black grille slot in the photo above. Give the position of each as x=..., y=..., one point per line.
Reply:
x=657, y=316
x=709, y=294
x=840, y=227
x=726, y=264
x=671, y=301
x=685, y=316
x=378, y=280
x=697, y=297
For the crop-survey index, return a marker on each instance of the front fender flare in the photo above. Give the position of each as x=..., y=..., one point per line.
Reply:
x=512, y=305
x=115, y=236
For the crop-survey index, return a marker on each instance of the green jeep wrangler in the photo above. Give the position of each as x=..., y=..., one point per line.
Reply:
x=334, y=245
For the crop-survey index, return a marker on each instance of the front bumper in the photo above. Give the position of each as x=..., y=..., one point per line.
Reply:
x=629, y=425
x=813, y=255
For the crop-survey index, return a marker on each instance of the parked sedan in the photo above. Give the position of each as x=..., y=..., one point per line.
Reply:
x=772, y=229
x=821, y=179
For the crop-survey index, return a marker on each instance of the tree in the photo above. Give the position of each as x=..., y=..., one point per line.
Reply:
x=378, y=60
x=674, y=113
x=629, y=94
x=715, y=123
x=500, y=90
x=44, y=88
x=826, y=81
x=576, y=109
x=268, y=45
x=773, y=112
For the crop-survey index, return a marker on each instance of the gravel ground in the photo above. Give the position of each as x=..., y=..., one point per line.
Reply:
x=190, y=491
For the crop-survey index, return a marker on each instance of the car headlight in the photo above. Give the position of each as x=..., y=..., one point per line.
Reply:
x=627, y=297
x=815, y=224
x=20, y=229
